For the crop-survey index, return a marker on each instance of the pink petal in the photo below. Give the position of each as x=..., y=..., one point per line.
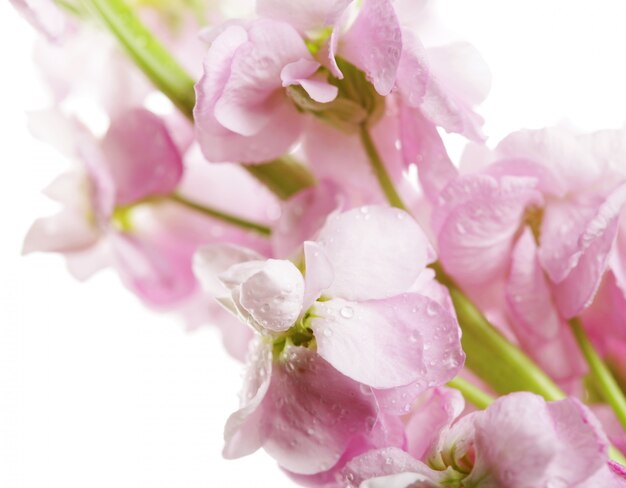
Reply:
x=463, y=71
x=212, y=260
x=273, y=295
x=391, y=342
x=413, y=70
x=244, y=433
x=422, y=146
x=458, y=77
x=522, y=441
x=67, y=232
x=400, y=468
x=312, y=412
x=301, y=69
x=576, y=291
x=441, y=408
x=396, y=253
x=302, y=72
x=536, y=322
x=559, y=150
x=158, y=271
x=479, y=219
x=141, y=157
x=374, y=44
x=304, y=15
x=318, y=275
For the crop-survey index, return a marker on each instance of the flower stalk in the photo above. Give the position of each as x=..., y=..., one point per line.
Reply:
x=222, y=216
x=604, y=380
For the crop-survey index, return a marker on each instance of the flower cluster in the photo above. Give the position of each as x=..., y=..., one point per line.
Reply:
x=405, y=320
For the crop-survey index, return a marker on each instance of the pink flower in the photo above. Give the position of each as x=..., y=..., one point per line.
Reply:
x=372, y=315
x=543, y=218
x=519, y=442
x=104, y=222
x=242, y=111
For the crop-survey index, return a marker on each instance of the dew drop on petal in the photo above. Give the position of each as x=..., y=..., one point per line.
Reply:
x=347, y=312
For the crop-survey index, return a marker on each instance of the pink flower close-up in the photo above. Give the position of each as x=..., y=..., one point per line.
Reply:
x=334, y=244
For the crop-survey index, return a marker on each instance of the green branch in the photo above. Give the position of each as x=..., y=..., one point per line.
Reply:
x=604, y=380
x=147, y=52
x=384, y=180
x=472, y=393
x=223, y=216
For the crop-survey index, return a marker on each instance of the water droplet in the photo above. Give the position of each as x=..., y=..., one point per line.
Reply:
x=401, y=215
x=413, y=338
x=347, y=312
x=328, y=332
x=431, y=309
x=461, y=228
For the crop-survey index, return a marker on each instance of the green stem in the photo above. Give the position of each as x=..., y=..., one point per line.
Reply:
x=492, y=356
x=604, y=380
x=282, y=176
x=147, y=52
x=223, y=216
x=384, y=180
x=472, y=393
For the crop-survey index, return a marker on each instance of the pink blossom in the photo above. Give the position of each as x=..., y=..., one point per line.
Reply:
x=364, y=312
x=103, y=221
x=242, y=111
x=520, y=441
x=541, y=214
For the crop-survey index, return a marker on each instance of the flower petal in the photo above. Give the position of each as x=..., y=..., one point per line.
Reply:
x=273, y=295
x=141, y=157
x=520, y=440
x=304, y=15
x=536, y=322
x=212, y=260
x=397, y=252
x=243, y=433
x=477, y=224
x=374, y=44
x=68, y=231
x=389, y=343
x=399, y=468
x=422, y=146
x=312, y=412
x=319, y=274
x=442, y=407
x=577, y=290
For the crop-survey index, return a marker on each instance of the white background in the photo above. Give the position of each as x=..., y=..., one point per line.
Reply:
x=95, y=391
